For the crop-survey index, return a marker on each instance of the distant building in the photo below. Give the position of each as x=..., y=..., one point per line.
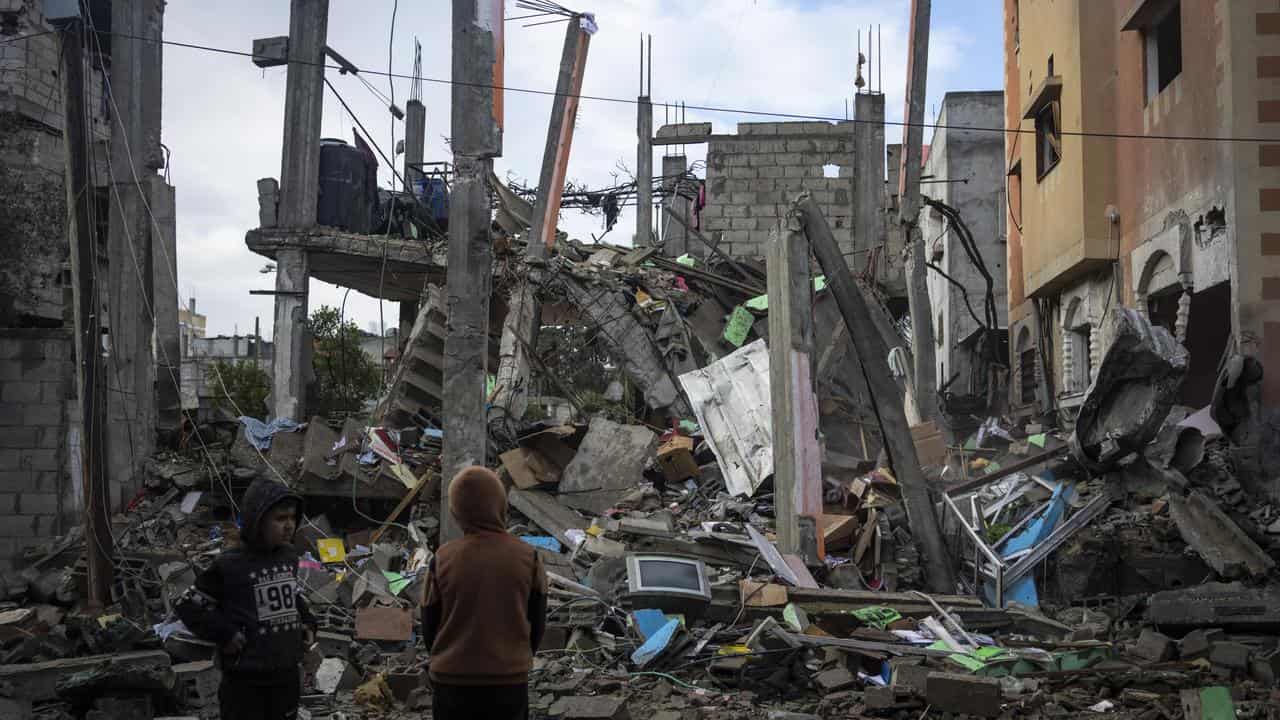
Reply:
x=190, y=325
x=964, y=169
x=197, y=393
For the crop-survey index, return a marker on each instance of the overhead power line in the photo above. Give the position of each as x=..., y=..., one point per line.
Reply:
x=738, y=111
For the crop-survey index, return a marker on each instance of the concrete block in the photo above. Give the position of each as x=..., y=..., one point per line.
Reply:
x=42, y=414
x=771, y=171
x=11, y=413
x=51, y=437
x=1230, y=656
x=600, y=707
x=20, y=392
x=19, y=480
x=40, y=459
x=758, y=128
x=1197, y=643
x=19, y=437
x=56, y=391
x=964, y=694
x=913, y=678
x=834, y=680
x=9, y=458
x=35, y=503
x=789, y=158
x=729, y=161
x=8, y=503
x=879, y=698
x=742, y=198
x=744, y=223
x=824, y=196
x=1153, y=647
x=10, y=370
x=802, y=171
x=735, y=211
x=761, y=185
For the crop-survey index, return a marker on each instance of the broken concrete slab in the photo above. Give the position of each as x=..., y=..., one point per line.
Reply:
x=1153, y=647
x=545, y=511
x=1229, y=606
x=1136, y=384
x=964, y=694
x=834, y=680
x=1223, y=545
x=591, y=708
x=1231, y=657
x=377, y=622
x=1197, y=643
x=609, y=464
x=38, y=681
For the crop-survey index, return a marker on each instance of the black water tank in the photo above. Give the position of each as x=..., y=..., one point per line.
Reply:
x=347, y=187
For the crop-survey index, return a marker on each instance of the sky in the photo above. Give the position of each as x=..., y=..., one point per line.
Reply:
x=223, y=115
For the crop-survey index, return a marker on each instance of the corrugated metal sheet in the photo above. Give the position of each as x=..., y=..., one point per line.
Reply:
x=731, y=401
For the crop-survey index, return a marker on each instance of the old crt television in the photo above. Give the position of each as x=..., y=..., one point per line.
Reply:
x=668, y=583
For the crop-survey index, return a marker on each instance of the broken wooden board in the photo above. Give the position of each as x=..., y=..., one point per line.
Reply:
x=609, y=464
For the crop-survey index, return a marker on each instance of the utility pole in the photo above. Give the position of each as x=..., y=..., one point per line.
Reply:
x=925, y=387
x=797, y=456
x=644, y=153
x=89, y=365
x=299, y=191
x=676, y=236
x=871, y=356
x=476, y=139
x=520, y=330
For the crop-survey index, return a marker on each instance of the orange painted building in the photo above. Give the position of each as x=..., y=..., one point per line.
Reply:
x=1145, y=173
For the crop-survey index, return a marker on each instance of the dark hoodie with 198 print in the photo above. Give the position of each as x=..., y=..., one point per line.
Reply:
x=249, y=601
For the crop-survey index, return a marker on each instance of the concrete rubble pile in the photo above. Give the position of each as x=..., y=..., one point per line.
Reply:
x=1121, y=569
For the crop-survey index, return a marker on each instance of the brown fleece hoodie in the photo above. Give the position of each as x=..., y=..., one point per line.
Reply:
x=485, y=600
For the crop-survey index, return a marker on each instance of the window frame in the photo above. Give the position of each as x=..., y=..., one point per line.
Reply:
x=1050, y=113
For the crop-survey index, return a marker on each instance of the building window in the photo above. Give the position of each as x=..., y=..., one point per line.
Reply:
x=1048, y=139
x=1081, y=367
x=1162, y=42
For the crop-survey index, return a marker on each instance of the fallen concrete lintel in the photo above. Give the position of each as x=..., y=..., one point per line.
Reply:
x=608, y=464
x=1229, y=606
x=1223, y=545
x=38, y=681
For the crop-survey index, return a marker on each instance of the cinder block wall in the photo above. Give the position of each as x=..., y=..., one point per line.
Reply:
x=753, y=176
x=37, y=501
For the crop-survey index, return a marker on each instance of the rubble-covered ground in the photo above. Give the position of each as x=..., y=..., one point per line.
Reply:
x=1122, y=570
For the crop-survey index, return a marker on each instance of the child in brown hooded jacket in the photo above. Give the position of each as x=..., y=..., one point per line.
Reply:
x=484, y=607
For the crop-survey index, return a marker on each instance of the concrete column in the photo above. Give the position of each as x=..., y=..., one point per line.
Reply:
x=408, y=316
x=923, y=352
x=303, y=109
x=299, y=190
x=164, y=296
x=135, y=135
x=477, y=139
x=797, y=456
x=291, y=351
x=521, y=325
x=868, y=174
x=644, y=172
x=415, y=139
x=676, y=241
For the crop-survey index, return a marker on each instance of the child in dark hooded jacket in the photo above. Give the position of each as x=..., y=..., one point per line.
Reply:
x=250, y=604
x=484, y=607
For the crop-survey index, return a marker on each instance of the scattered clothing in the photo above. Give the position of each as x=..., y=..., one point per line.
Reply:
x=260, y=433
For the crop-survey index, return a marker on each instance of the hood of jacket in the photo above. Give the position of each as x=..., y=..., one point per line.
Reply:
x=258, y=500
x=478, y=501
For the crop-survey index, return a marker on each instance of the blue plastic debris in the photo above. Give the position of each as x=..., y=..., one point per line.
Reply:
x=656, y=644
x=543, y=542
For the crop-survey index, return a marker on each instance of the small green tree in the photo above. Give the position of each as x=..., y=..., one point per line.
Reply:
x=345, y=375
x=241, y=385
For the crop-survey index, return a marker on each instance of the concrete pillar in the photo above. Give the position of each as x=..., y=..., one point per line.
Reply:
x=408, y=316
x=676, y=242
x=797, y=456
x=868, y=175
x=299, y=190
x=477, y=139
x=644, y=172
x=135, y=153
x=303, y=109
x=415, y=139
x=923, y=352
x=160, y=196
x=521, y=325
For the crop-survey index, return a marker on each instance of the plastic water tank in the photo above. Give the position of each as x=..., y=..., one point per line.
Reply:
x=346, y=187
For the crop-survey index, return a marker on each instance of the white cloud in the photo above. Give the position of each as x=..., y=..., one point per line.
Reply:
x=223, y=115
